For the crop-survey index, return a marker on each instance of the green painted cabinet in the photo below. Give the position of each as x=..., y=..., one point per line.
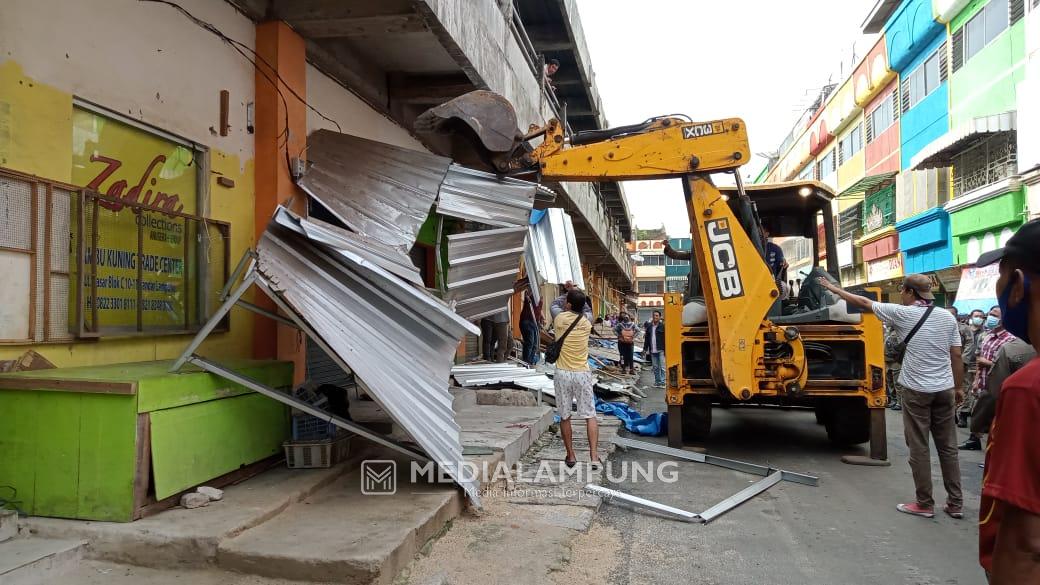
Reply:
x=104, y=442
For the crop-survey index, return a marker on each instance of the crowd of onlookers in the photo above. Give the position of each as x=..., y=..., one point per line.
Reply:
x=979, y=371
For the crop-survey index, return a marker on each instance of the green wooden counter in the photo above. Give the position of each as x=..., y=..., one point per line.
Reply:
x=107, y=442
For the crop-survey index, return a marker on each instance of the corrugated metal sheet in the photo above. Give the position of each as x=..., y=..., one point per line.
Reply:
x=398, y=339
x=482, y=268
x=378, y=190
x=483, y=197
x=552, y=250
x=352, y=245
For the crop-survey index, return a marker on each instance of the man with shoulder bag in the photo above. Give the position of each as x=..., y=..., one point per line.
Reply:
x=573, y=380
x=930, y=385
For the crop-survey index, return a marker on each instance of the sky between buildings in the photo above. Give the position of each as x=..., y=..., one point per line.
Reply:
x=760, y=60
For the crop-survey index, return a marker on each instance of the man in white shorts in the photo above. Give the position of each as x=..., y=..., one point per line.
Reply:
x=573, y=379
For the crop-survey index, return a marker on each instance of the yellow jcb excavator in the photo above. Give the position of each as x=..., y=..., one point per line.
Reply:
x=743, y=340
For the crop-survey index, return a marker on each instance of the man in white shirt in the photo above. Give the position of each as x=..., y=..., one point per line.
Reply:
x=931, y=384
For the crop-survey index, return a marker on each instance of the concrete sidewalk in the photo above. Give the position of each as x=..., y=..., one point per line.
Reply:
x=310, y=524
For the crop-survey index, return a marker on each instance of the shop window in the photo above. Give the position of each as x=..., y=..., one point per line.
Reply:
x=921, y=82
x=675, y=285
x=806, y=174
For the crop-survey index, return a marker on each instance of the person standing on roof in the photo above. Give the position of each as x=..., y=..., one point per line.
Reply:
x=1009, y=514
x=573, y=380
x=930, y=384
x=557, y=305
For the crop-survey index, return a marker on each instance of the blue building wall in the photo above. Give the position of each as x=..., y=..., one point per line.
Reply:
x=678, y=267
x=929, y=118
x=925, y=241
x=908, y=31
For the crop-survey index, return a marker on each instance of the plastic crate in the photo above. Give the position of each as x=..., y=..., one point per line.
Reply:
x=316, y=454
x=311, y=428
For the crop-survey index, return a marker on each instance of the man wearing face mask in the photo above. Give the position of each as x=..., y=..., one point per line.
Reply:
x=1009, y=514
x=996, y=337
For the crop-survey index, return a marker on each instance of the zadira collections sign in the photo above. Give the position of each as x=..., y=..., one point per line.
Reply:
x=132, y=165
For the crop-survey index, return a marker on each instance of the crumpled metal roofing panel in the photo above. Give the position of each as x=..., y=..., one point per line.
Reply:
x=552, y=250
x=372, y=319
x=482, y=268
x=338, y=239
x=486, y=198
x=380, y=191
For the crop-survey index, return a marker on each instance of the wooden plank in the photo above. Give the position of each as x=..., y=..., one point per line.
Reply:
x=142, y=463
x=241, y=474
x=196, y=443
x=58, y=445
x=19, y=442
x=107, y=431
x=58, y=385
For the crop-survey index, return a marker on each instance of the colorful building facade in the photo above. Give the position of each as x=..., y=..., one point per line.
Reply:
x=948, y=101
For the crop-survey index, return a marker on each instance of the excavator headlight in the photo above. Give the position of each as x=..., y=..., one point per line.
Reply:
x=805, y=191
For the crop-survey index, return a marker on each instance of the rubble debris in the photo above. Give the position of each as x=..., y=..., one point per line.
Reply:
x=214, y=494
x=192, y=500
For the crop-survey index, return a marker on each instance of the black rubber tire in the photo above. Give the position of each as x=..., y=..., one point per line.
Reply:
x=821, y=413
x=696, y=419
x=847, y=421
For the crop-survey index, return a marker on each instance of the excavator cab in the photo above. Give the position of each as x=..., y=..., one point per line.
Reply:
x=842, y=349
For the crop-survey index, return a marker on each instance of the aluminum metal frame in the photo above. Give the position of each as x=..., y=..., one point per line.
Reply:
x=733, y=464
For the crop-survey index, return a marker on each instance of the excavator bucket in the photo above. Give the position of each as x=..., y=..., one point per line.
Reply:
x=489, y=116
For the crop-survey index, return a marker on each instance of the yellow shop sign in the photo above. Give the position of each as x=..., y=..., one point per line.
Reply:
x=148, y=250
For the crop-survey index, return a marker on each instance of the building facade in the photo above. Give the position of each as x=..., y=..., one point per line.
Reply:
x=949, y=158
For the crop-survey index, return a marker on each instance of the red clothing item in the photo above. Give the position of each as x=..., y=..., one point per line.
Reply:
x=1012, y=474
x=991, y=344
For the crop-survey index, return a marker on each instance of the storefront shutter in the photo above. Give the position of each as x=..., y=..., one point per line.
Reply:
x=1016, y=9
x=943, y=62
x=957, y=56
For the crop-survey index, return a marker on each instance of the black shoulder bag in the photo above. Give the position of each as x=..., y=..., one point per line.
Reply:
x=552, y=351
x=899, y=351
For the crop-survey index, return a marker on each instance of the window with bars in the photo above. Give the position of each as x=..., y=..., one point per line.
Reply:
x=992, y=160
x=61, y=282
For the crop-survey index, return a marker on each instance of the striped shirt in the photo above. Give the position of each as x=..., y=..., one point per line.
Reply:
x=991, y=344
x=926, y=365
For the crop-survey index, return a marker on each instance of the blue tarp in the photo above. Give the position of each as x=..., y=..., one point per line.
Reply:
x=653, y=425
x=536, y=216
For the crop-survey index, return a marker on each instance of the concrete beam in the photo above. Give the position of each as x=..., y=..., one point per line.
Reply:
x=294, y=10
x=337, y=60
x=255, y=10
x=427, y=89
x=393, y=24
x=546, y=39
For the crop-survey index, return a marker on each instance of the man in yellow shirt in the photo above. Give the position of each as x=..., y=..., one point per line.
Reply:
x=573, y=379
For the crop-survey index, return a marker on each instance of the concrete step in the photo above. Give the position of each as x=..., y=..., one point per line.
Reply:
x=463, y=398
x=185, y=538
x=341, y=535
x=38, y=561
x=509, y=429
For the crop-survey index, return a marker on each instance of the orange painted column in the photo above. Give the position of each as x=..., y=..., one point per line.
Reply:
x=280, y=135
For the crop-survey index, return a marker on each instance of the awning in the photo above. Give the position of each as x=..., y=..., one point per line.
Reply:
x=552, y=250
x=482, y=268
x=867, y=183
x=942, y=150
x=396, y=337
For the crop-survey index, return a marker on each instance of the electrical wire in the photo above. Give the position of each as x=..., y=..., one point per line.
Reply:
x=242, y=49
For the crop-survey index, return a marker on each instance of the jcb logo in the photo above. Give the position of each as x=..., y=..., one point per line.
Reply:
x=724, y=259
